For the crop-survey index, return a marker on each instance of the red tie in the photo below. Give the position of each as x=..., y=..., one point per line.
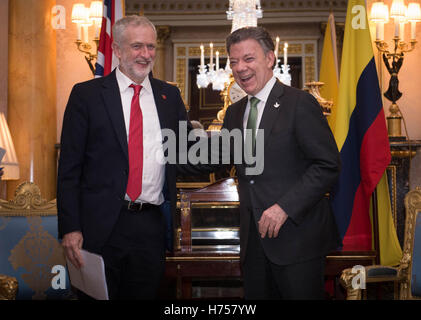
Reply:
x=134, y=185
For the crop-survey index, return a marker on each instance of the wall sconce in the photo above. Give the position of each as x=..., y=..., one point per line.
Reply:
x=10, y=161
x=401, y=15
x=84, y=18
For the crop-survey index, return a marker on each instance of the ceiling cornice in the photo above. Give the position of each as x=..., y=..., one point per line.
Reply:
x=212, y=12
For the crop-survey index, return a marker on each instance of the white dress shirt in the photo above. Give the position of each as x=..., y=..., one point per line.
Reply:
x=263, y=96
x=153, y=174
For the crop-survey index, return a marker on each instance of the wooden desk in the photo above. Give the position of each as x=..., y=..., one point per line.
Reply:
x=190, y=261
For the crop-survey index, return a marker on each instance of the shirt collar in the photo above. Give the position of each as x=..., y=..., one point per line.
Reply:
x=263, y=94
x=124, y=82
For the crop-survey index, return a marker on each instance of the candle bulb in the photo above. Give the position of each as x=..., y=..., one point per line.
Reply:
x=402, y=31
x=217, y=60
x=227, y=66
x=85, y=34
x=79, y=31
x=381, y=26
x=396, y=27
x=413, y=26
x=377, y=31
x=276, y=49
x=413, y=15
x=97, y=28
x=202, y=56
x=285, y=54
x=211, y=56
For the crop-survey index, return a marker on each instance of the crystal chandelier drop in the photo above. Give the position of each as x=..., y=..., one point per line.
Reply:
x=244, y=13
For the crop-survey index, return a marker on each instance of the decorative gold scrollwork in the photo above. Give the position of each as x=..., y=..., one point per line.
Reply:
x=8, y=287
x=346, y=280
x=37, y=251
x=28, y=198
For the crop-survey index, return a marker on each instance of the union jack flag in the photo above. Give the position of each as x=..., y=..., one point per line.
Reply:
x=107, y=61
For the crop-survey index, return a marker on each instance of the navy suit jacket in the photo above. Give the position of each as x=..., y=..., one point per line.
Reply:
x=93, y=166
x=301, y=164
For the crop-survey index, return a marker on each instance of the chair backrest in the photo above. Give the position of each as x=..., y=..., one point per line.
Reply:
x=416, y=257
x=29, y=249
x=411, y=261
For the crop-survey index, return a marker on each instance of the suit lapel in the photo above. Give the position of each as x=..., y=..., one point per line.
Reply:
x=112, y=102
x=271, y=111
x=239, y=118
x=160, y=100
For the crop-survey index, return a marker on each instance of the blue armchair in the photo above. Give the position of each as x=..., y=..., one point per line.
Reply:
x=29, y=249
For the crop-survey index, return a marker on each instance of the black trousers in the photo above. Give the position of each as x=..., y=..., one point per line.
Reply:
x=266, y=280
x=134, y=255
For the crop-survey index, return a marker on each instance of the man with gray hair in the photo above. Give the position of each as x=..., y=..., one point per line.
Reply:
x=286, y=224
x=112, y=180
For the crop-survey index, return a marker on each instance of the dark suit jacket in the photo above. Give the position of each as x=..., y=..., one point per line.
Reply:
x=93, y=167
x=301, y=163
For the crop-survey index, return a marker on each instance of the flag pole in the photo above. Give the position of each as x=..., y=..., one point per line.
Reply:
x=376, y=225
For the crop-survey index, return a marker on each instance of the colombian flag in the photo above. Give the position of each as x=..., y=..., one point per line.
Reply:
x=360, y=132
x=329, y=70
x=107, y=61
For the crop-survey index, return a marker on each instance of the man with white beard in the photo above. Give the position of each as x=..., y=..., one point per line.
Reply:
x=112, y=180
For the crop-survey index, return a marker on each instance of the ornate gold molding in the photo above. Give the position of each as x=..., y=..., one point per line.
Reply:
x=295, y=48
x=195, y=51
x=346, y=281
x=413, y=209
x=309, y=48
x=181, y=51
x=8, y=287
x=194, y=7
x=403, y=153
x=310, y=71
x=163, y=33
x=314, y=89
x=181, y=76
x=28, y=201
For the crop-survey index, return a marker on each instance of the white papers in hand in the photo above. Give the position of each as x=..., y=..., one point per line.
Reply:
x=91, y=277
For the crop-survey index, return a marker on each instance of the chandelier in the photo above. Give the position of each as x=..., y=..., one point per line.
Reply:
x=244, y=13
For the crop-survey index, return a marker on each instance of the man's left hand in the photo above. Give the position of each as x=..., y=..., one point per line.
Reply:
x=271, y=221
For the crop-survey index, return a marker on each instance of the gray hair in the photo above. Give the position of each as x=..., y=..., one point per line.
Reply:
x=259, y=34
x=121, y=25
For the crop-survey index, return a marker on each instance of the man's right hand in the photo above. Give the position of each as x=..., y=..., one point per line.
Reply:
x=72, y=243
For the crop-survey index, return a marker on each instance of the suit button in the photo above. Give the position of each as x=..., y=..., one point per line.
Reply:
x=251, y=181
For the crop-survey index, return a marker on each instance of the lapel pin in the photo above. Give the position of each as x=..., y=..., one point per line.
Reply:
x=164, y=96
x=276, y=105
